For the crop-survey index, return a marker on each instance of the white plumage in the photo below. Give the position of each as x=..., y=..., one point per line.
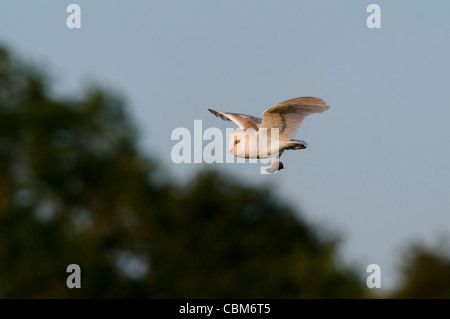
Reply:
x=271, y=135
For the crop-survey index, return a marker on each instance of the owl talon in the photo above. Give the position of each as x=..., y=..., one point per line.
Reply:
x=276, y=166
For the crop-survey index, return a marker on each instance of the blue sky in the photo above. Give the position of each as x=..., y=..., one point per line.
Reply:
x=377, y=167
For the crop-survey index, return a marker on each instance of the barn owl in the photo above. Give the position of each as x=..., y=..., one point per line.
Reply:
x=272, y=135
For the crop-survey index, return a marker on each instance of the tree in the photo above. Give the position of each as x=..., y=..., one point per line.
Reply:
x=425, y=273
x=75, y=189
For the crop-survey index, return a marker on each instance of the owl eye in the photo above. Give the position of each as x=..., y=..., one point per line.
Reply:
x=237, y=142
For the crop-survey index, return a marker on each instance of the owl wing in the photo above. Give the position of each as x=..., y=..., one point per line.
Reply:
x=244, y=121
x=289, y=115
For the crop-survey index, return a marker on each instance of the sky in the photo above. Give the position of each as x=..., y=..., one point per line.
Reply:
x=376, y=171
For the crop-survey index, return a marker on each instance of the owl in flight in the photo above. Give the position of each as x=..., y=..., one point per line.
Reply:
x=273, y=134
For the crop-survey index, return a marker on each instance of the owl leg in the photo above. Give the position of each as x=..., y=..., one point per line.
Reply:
x=276, y=166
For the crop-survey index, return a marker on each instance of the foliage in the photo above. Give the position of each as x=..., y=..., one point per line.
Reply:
x=425, y=273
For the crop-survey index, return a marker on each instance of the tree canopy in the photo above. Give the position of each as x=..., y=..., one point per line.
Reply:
x=425, y=273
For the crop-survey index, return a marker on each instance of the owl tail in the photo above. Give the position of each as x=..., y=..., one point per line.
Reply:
x=296, y=145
